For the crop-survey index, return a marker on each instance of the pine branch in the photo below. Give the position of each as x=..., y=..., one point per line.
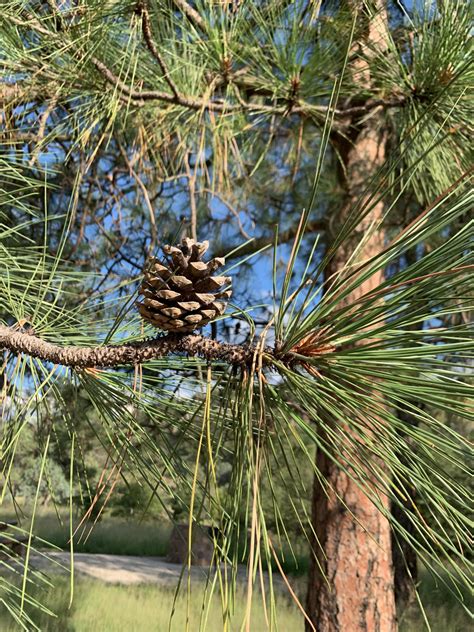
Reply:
x=202, y=104
x=131, y=353
x=148, y=37
x=175, y=97
x=192, y=15
x=198, y=103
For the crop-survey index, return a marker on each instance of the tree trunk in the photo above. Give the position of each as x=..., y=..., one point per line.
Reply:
x=351, y=583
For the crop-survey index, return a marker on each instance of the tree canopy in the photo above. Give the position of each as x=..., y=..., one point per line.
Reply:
x=129, y=124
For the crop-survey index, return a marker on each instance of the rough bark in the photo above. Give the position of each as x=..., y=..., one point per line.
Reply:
x=351, y=577
x=131, y=353
x=351, y=584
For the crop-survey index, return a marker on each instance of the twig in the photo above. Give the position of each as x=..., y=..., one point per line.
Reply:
x=200, y=104
x=42, y=129
x=231, y=208
x=192, y=195
x=262, y=242
x=192, y=15
x=146, y=197
x=118, y=247
x=148, y=37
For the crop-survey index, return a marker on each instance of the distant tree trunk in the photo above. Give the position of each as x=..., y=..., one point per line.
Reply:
x=351, y=583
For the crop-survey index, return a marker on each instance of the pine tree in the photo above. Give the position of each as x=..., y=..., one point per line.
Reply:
x=130, y=124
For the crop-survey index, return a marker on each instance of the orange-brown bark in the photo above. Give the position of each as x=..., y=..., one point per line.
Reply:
x=351, y=577
x=350, y=585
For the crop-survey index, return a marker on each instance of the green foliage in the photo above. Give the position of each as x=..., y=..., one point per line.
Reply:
x=96, y=166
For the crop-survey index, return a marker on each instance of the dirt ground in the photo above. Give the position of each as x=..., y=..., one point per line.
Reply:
x=123, y=569
x=116, y=569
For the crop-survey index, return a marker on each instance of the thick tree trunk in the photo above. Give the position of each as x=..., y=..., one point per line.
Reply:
x=354, y=591
x=350, y=586
x=351, y=583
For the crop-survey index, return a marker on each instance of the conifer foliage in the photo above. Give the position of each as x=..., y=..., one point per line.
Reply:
x=322, y=150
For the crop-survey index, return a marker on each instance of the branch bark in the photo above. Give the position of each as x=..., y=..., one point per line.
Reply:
x=223, y=106
x=192, y=15
x=130, y=353
x=199, y=103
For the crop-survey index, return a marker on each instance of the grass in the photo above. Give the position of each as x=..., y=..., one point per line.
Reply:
x=113, y=536
x=99, y=607
x=442, y=607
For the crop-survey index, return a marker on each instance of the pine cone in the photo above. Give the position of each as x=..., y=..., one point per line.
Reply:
x=180, y=294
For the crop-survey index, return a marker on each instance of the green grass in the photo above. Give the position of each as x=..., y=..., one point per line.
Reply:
x=111, y=535
x=99, y=607
x=443, y=609
x=114, y=536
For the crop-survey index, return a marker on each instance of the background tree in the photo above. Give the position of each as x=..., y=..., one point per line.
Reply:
x=126, y=124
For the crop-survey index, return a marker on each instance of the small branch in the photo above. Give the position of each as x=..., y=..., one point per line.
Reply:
x=148, y=37
x=192, y=15
x=131, y=353
x=231, y=208
x=42, y=129
x=201, y=104
x=138, y=95
x=146, y=197
x=192, y=195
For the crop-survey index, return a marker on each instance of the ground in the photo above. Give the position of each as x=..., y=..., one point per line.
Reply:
x=123, y=569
